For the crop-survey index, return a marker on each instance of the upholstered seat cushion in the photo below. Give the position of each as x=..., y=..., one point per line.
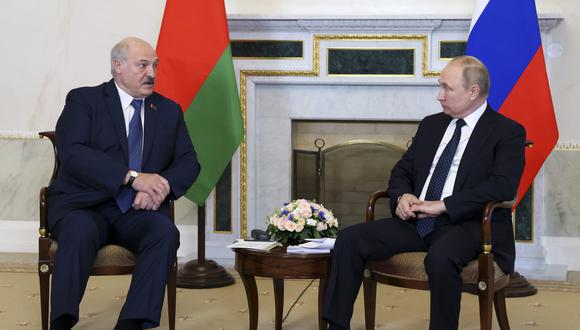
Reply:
x=410, y=265
x=109, y=255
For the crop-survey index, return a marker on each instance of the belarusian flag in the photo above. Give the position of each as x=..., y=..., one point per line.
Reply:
x=196, y=71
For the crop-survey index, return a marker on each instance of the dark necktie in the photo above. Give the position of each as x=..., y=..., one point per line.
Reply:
x=426, y=225
x=135, y=145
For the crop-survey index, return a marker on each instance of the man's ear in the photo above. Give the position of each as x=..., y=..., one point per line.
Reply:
x=474, y=92
x=118, y=65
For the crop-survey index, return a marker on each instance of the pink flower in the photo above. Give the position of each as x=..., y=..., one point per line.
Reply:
x=281, y=223
x=299, y=227
x=290, y=226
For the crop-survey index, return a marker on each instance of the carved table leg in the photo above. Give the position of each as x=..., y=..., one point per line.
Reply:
x=252, y=294
x=278, y=301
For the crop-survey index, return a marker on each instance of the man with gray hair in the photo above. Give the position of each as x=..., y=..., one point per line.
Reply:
x=124, y=152
x=460, y=159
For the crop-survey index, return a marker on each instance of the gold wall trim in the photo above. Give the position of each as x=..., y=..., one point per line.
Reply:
x=315, y=72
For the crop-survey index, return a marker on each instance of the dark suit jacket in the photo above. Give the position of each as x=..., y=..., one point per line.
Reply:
x=490, y=170
x=92, y=148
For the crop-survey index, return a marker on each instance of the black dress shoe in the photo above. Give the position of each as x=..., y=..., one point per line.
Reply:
x=64, y=322
x=334, y=326
x=130, y=324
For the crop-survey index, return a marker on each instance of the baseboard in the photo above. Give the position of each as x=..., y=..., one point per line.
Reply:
x=19, y=236
x=562, y=251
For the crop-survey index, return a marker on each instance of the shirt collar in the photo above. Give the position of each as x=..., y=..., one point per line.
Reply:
x=126, y=99
x=473, y=117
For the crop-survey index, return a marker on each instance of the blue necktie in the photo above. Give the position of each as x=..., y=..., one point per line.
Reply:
x=426, y=225
x=135, y=143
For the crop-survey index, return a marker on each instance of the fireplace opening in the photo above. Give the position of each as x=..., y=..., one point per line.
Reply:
x=342, y=176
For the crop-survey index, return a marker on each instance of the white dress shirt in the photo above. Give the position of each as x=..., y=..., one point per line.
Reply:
x=128, y=109
x=466, y=131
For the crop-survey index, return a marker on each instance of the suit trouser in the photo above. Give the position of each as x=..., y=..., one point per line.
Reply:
x=81, y=233
x=450, y=248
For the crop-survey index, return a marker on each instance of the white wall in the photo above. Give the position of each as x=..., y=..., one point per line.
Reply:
x=49, y=47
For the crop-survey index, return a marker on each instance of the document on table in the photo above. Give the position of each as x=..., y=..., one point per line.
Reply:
x=254, y=245
x=314, y=245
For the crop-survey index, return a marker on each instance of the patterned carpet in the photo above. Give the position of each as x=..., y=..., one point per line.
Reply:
x=556, y=306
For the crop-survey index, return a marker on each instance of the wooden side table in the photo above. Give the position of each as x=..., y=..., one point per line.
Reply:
x=279, y=265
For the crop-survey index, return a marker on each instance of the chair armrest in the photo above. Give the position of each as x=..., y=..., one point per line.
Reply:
x=486, y=221
x=372, y=201
x=51, y=135
x=43, y=223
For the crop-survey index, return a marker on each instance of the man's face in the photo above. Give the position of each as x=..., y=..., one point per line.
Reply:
x=137, y=75
x=456, y=100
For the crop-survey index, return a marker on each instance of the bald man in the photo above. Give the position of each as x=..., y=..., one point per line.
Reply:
x=124, y=152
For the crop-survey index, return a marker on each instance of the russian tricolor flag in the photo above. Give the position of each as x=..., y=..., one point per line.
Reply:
x=505, y=36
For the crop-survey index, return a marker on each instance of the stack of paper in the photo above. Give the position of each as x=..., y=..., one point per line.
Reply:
x=254, y=245
x=315, y=245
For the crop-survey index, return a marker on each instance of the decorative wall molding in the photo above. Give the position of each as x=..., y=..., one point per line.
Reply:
x=354, y=24
x=19, y=135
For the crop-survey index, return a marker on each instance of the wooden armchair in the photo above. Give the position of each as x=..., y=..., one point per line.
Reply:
x=481, y=277
x=110, y=260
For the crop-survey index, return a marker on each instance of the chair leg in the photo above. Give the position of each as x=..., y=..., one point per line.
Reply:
x=370, y=300
x=485, y=310
x=44, y=280
x=500, y=309
x=171, y=296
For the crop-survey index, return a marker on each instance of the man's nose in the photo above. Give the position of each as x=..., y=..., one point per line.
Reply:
x=151, y=71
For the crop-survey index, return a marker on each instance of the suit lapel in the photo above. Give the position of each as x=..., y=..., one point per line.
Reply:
x=116, y=112
x=151, y=121
x=482, y=131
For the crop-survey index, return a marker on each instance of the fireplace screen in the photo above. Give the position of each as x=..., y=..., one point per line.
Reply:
x=343, y=176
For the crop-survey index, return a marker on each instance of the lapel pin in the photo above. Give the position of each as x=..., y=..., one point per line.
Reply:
x=152, y=106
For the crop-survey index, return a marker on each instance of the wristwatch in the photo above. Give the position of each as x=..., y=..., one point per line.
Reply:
x=132, y=176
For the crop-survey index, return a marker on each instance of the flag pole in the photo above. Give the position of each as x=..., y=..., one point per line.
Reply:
x=201, y=273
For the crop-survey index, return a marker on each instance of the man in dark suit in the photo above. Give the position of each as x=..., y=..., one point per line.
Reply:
x=124, y=152
x=459, y=159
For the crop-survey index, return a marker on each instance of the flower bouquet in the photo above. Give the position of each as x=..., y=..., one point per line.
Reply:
x=301, y=219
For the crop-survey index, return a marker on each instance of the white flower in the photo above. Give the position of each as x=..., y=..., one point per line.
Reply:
x=301, y=222
x=295, y=214
x=321, y=226
x=311, y=222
